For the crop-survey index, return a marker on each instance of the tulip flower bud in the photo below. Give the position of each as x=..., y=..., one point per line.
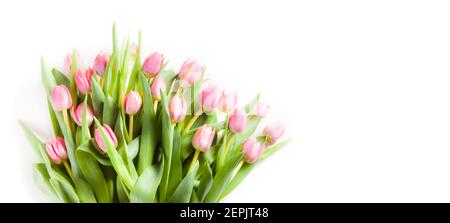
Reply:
x=203, y=138
x=261, y=109
x=56, y=150
x=68, y=61
x=210, y=97
x=133, y=102
x=158, y=85
x=153, y=64
x=83, y=80
x=77, y=114
x=61, y=98
x=177, y=108
x=252, y=150
x=228, y=101
x=100, y=63
x=99, y=139
x=190, y=72
x=273, y=132
x=237, y=121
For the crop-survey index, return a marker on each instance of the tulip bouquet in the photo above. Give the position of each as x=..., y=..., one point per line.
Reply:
x=132, y=131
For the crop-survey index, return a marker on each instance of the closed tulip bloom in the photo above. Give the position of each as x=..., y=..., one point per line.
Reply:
x=237, y=121
x=177, y=108
x=56, y=150
x=210, y=97
x=261, y=109
x=228, y=101
x=274, y=131
x=190, y=72
x=77, y=114
x=203, y=138
x=61, y=98
x=100, y=63
x=133, y=103
x=252, y=150
x=83, y=80
x=158, y=85
x=99, y=139
x=153, y=64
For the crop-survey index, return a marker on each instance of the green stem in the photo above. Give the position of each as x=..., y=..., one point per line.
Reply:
x=194, y=160
x=227, y=147
x=238, y=167
x=69, y=170
x=66, y=120
x=192, y=121
x=130, y=129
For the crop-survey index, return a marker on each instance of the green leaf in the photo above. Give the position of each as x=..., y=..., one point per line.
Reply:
x=148, y=133
x=98, y=97
x=184, y=190
x=92, y=172
x=114, y=156
x=133, y=148
x=205, y=181
x=246, y=168
x=123, y=149
x=55, y=125
x=123, y=193
x=222, y=178
x=249, y=107
x=60, y=78
x=85, y=134
x=144, y=190
x=42, y=177
x=84, y=191
x=167, y=146
x=176, y=170
x=109, y=111
x=47, y=77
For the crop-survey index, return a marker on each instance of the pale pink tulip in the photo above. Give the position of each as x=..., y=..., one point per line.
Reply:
x=61, y=98
x=77, y=114
x=158, y=85
x=100, y=63
x=133, y=103
x=83, y=80
x=203, y=138
x=237, y=121
x=261, y=109
x=177, y=108
x=228, y=101
x=56, y=150
x=274, y=131
x=99, y=139
x=153, y=64
x=190, y=72
x=210, y=96
x=252, y=150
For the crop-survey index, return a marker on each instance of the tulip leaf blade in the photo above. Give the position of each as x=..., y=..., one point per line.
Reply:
x=167, y=133
x=147, y=184
x=60, y=78
x=182, y=193
x=206, y=181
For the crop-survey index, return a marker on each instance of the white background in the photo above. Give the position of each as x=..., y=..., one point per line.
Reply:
x=364, y=86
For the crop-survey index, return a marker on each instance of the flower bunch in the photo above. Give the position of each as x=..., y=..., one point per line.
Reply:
x=133, y=130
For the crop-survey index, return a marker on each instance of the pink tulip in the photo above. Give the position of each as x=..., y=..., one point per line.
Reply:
x=177, y=108
x=100, y=63
x=56, y=150
x=252, y=150
x=83, y=80
x=133, y=102
x=61, y=98
x=190, y=72
x=109, y=133
x=210, y=96
x=68, y=61
x=153, y=64
x=228, y=101
x=203, y=138
x=158, y=85
x=273, y=132
x=77, y=114
x=237, y=121
x=261, y=109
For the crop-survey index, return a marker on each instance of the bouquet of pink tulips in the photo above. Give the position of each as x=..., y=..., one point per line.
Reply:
x=132, y=131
